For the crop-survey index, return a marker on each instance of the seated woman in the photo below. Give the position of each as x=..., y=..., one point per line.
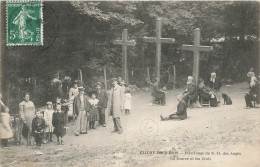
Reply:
x=181, y=112
x=157, y=93
x=252, y=95
x=215, y=84
x=206, y=94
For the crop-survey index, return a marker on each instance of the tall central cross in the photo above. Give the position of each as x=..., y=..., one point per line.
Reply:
x=158, y=40
x=196, y=48
x=124, y=42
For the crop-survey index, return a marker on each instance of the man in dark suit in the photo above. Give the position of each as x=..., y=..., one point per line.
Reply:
x=157, y=93
x=102, y=104
x=81, y=109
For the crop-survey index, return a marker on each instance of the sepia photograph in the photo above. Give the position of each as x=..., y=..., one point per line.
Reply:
x=129, y=83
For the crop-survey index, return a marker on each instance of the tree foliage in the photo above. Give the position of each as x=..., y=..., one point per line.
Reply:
x=80, y=34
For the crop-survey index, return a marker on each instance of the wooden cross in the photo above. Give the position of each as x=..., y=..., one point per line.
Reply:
x=196, y=48
x=124, y=42
x=158, y=40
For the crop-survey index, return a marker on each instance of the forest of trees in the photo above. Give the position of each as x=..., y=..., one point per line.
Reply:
x=81, y=34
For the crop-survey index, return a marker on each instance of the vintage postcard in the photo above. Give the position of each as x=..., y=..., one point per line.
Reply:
x=129, y=83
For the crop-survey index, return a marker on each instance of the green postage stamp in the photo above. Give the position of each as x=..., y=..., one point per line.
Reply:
x=24, y=23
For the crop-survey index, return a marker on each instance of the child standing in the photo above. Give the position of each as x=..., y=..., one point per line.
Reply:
x=93, y=113
x=5, y=129
x=38, y=126
x=59, y=122
x=48, y=112
x=128, y=101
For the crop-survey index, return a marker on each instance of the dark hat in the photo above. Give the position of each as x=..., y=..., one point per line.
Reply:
x=81, y=88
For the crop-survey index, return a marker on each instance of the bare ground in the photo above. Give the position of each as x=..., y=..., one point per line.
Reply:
x=204, y=136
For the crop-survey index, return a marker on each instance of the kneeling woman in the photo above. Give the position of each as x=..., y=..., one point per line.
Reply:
x=181, y=112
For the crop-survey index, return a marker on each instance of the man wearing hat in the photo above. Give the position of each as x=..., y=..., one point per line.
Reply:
x=157, y=93
x=81, y=109
x=190, y=91
x=102, y=104
x=74, y=90
x=116, y=103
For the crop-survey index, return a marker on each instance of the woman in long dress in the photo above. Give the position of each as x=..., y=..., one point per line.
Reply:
x=93, y=113
x=27, y=112
x=48, y=112
x=5, y=129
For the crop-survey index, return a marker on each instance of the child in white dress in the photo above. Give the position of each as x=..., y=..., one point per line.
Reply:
x=128, y=101
x=93, y=113
x=48, y=112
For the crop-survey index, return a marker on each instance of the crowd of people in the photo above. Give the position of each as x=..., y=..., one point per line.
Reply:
x=88, y=110
x=210, y=93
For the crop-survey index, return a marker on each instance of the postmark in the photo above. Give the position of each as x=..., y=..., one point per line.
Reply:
x=24, y=23
x=149, y=127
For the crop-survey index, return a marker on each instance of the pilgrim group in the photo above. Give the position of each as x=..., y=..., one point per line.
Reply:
x=206, y=94
x=89, y=110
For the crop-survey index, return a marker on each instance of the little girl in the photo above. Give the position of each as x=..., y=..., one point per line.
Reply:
x=59, y=121
x=48, y=112
x=128, y=102
x=5, y=129
x=93, y=113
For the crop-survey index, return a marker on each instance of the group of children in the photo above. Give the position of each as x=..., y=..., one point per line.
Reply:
x=52, y=120
x=49, y=122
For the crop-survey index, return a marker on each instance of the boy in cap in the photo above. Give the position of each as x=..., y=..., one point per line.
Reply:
x=102, y=104
x=59, y=122
x=38, y=126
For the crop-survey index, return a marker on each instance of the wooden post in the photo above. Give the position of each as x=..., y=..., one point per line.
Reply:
x=80, y=77
x=124, y=42
x=174, y=77
x=105, y=78
x=158, y=40
x=58, y=74
x=196, y=48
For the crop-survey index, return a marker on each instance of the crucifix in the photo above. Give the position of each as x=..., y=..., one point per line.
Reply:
x=158, y=40
x=124, y=42
x=196, y=48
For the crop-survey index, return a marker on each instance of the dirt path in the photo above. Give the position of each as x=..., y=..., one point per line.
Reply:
x=146, y=140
